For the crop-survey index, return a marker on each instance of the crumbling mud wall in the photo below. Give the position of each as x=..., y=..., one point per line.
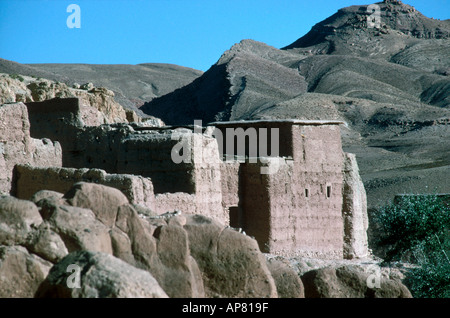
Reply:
x=30, y=179
x=193, y=185
x=354, y=211
x=17, y=146
x=62, y=119
x=81, y=132
x=229, y=171
x=296, y=208
x=148, y=153
x=198, y=181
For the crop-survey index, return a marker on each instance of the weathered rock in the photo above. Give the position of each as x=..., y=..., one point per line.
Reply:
x=180, y=273
x=354, y=211
x=20, y=272
x=289, y=284
x=98, y=102
x=87, y=86
x=350, y=282
x=17, y=220
x=121, y=246
x=100, y=276
x=45, y=243
x=103, y=201
x=47, y=204
x=161, y=249
x=77, y=227
x=46, y=194
x=231, y=262
x=12, y=90
x=144, y=211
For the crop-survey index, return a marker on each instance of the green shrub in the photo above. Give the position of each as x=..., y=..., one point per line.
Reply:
x=17, y=77
x=419, y=226
x=431, y=279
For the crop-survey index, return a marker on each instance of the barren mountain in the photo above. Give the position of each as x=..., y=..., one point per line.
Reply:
x=132, y=84
x=247, y=79
x=390, y=82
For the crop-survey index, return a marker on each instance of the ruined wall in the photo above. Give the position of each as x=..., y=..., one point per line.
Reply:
x=137, y=149
x=190, y=204
x=17, y=146
x=57, y=119
x=202, y=173
x=80, y=131
x=229, y=171
x=254, y=213
x=297, y=210
x=148, y=153
x=354, y=211
x=137, y=189
x=97, y=147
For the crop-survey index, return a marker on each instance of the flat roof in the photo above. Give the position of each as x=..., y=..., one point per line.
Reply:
x=281, y=121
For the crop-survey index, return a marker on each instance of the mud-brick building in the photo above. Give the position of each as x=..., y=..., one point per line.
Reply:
x=287, y=183
x=294, y=205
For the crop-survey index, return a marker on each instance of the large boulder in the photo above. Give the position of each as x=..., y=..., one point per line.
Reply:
x=18, y=218
x=351, y=282
x=47, y=194
x=102, y=200
x=180, y=270
x=20, y=272
x=160, y=248
x=47, y=244
x=288, y=282
x=78, y=228
x=86, y=274
x=231, y=262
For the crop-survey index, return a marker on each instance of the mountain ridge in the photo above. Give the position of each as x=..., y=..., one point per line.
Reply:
x=390, y=83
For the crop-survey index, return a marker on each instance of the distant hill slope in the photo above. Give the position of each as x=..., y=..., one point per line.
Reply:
x=248, y=78
x=132, y=84
x=390, y=83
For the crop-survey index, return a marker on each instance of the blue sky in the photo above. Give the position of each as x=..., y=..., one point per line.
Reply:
x=192, y=33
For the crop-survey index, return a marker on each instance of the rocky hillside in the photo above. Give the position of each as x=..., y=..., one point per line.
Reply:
x=390, y=83
x=133, y=85
x=99, y=106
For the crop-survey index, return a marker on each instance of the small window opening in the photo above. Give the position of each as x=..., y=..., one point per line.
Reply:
x=307, y=193
x=328, y=191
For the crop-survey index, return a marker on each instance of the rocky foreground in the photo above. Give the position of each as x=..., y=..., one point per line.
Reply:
x=91, y=242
